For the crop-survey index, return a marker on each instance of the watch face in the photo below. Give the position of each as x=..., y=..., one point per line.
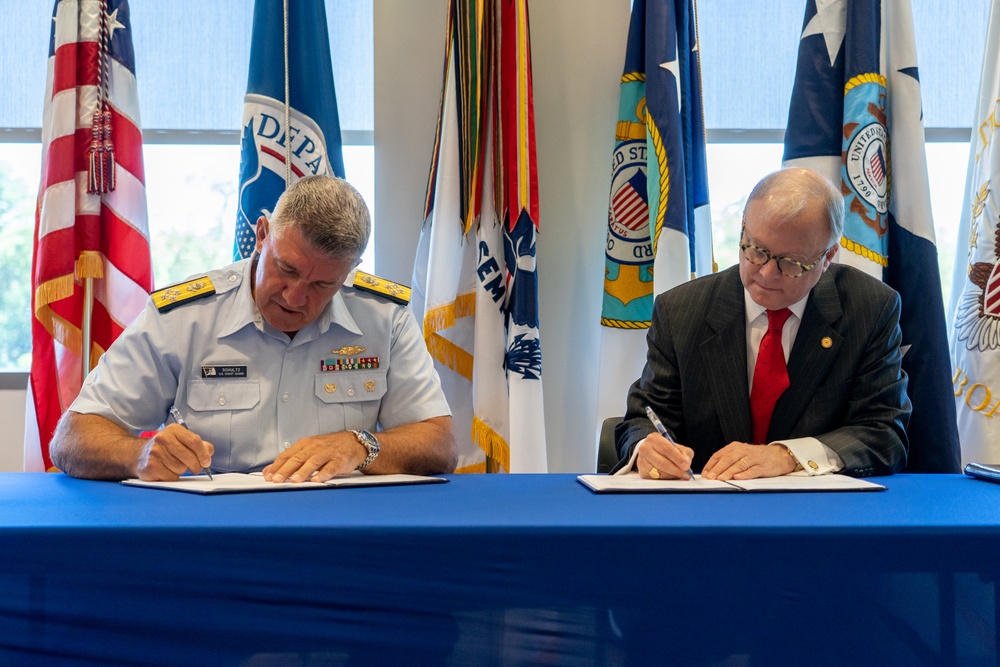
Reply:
x=369, y=440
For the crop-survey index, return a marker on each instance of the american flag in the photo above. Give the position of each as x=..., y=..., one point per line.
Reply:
x=79, y=234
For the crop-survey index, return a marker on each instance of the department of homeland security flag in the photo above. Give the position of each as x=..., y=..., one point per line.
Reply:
x=855, y=117
x=659, y=229
x=91, y=214
x=975, y=334
x=312, y=137
x=475, y=283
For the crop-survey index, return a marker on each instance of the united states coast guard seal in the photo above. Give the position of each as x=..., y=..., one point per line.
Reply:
x=867, y=166
x=628, y=214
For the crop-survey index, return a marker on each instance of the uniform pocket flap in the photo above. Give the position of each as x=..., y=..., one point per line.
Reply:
x=207, y=395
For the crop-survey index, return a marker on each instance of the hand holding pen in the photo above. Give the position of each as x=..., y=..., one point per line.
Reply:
x=653, y=472
x=176, y=414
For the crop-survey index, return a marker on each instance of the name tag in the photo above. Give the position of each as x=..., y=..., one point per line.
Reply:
x=223, y=371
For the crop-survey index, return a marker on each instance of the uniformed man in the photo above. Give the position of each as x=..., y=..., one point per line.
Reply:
x=289, y=362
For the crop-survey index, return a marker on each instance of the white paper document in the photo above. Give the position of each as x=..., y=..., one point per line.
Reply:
x=632, y=483
x=238, y=482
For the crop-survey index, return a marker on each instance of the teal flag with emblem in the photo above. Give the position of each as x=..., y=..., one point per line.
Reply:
x=659, y=230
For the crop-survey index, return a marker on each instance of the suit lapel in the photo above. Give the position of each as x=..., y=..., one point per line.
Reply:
x=724, y=355
x=817, y=345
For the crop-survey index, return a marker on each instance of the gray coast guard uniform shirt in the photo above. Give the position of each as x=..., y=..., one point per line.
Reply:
x=245, y=387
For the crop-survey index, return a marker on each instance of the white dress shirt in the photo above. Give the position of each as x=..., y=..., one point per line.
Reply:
x=814, y=457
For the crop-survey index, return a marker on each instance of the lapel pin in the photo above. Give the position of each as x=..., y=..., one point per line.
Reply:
x=827, y=342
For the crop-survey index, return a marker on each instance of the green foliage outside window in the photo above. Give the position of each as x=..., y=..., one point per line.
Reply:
x=17, y=224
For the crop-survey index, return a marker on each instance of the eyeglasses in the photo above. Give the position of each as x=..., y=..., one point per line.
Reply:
x=789, y=267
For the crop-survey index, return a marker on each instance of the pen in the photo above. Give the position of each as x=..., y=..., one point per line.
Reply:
x=176, y=414
x=663, y=431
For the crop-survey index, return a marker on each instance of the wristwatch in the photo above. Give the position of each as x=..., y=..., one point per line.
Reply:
x=369, y=442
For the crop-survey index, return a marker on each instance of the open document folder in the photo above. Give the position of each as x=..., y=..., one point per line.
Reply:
x=632, y=483
x=238, y=482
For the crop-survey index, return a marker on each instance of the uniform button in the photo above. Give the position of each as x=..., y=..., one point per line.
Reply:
x=222, y=400
x=287, y=444
x=350, y=392
x=285, y=398
x=232, y=278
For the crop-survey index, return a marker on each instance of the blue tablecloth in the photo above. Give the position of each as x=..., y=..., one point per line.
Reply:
x=497, y=569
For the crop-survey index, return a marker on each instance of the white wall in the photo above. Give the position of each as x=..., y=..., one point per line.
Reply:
x=12, y=395
x=578, y=50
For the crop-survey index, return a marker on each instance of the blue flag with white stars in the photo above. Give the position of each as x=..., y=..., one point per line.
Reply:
x=310, y=144
x=855, y=116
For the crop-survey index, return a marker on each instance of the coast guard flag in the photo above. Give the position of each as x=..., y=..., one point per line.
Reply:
x=475, y=283
x=659, y=229
x=975, y=334
x=310, y=143
x=855, y=116
x=90, y=220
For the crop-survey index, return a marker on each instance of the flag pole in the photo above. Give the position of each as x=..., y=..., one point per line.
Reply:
x=88, y=311
x=101, y=179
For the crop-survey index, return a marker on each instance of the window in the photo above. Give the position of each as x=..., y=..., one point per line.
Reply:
x=733, y=170
x=194, y=232
x=191, y=203
x=18, y=184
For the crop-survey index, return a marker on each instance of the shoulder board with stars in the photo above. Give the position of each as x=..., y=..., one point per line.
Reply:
x=390, y=290
x=170, y=297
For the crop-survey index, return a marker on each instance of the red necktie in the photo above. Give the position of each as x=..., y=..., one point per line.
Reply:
x=770, y=375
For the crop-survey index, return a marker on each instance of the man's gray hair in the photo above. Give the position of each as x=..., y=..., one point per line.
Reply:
x=789, y=191
x=330, y=214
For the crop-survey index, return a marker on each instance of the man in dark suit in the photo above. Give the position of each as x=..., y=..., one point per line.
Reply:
x=783, y=363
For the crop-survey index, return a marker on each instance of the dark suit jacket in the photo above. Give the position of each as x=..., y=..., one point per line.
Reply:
x=850, y=395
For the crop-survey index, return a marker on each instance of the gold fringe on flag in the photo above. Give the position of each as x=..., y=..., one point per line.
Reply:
x=89, y=265
x=472, y=469
x=450, y=355
x=53, y=290
x=60, y=329
x=488, y=440
x=443, y=317
x=96, y=352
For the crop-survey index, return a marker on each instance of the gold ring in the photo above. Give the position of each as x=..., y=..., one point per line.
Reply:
x=654, y=473
x=746, y=466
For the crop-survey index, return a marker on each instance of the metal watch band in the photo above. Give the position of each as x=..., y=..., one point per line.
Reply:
x=369, y=442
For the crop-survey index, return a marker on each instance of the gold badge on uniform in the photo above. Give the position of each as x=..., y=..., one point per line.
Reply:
x=370, y=386
x=349, y=349
x=827, y=342
x=330, y=387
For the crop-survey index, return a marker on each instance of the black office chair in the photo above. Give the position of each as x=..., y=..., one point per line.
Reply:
x=607, y=456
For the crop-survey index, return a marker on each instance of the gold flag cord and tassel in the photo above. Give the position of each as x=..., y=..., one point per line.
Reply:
x=101, y=170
